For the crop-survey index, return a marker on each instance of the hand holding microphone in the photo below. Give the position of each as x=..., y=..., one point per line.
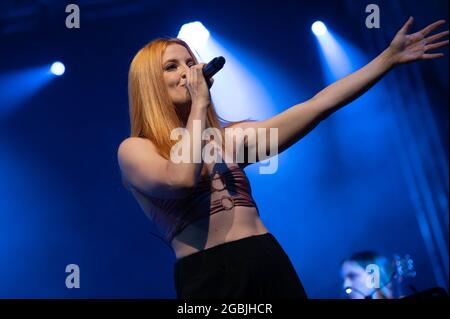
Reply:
x=199, y=93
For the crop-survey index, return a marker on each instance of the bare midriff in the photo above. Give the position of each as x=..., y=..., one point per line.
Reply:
x=228, y=225
x=224, y=226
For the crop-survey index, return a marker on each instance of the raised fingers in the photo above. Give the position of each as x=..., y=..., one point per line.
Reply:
x=437, y=36
x=407, y=25
x=436, y=45
x=432, y=56
x=431, y=27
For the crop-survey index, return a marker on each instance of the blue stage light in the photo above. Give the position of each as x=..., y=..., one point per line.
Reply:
x=319, y=28
x=57, y=68
x=195, y=34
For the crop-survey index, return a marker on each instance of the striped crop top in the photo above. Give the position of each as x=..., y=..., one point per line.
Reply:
x=224, y=188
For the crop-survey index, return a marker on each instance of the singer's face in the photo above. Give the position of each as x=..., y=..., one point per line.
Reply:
x=176, y=63
x=356, y=278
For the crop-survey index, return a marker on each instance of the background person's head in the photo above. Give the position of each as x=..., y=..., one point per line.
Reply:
x=158, y=102
x=357, y=281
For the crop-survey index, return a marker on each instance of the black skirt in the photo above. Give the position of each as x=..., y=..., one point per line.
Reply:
x=252, y=267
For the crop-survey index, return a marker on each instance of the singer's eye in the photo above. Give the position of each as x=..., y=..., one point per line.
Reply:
x=170, y=66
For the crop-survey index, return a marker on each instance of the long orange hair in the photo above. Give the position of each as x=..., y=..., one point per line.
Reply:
x=152, y=114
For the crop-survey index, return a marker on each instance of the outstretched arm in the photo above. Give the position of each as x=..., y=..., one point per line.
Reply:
x=300, y=119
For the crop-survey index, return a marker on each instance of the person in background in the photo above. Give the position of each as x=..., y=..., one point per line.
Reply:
x=359, y=275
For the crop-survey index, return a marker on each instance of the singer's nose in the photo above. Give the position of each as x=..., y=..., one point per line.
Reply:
x=184, y=71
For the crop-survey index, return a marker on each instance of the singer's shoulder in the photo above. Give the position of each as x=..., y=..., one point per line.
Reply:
x=135, y=144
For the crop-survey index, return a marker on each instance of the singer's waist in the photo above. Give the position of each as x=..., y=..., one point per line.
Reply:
x=206, y=234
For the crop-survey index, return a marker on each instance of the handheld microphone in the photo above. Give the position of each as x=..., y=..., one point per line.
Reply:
x=214, y=66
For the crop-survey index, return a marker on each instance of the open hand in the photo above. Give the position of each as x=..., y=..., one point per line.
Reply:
x=406, y=48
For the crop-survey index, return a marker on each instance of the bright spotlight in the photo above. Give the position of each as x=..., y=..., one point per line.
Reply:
x=195, y=34
x=319, y=28
x=348, y=290
x=57, y=68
